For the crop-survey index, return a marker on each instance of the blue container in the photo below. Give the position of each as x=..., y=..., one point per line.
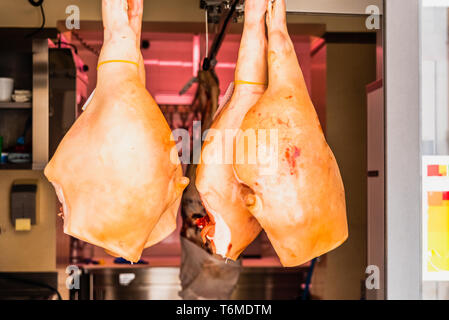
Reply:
x=4, y=157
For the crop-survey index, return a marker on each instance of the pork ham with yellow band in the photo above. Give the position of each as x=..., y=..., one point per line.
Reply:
x=230, y=226
x=117, y=61
x=114, y=172
x=298, y=195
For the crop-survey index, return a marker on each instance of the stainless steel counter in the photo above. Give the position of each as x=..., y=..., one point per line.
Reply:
x=144, y=283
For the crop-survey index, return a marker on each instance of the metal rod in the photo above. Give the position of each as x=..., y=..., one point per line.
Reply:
x=218, y=40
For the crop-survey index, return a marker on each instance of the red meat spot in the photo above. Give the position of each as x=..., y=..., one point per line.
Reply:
x=291, y=156
x=297, y=152
x=282, y=122
x=202, y=222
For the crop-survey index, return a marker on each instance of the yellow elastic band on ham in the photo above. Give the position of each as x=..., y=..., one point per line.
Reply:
x=249, y=82
x=109, y=61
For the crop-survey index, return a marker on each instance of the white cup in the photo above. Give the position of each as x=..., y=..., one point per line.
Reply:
x=6, y=88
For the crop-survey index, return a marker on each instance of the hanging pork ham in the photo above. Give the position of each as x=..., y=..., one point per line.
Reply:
x=294, y=187
x=229, y=226
x=204, y=106
x=116, y=172
x=203, y=275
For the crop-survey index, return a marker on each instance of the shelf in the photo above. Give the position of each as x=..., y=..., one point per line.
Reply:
x=15, y=166
x=15, y=105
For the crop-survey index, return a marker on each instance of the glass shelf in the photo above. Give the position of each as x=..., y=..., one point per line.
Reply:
x=15, y=166
x=15, y=105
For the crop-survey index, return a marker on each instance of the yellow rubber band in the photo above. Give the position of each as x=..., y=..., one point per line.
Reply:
x=109, y=61
x=249, y=82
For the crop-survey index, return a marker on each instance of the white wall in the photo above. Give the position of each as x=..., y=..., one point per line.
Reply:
x=434, y=51
x=403, y=165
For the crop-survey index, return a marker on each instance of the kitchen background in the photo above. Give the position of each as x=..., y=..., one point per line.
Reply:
x=342, y=63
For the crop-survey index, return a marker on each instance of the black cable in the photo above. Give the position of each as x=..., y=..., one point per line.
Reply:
x=43, y=285
x=85, y=44
x=38, y=3
x=75, y=48
x=35, y=3
x=306, y=292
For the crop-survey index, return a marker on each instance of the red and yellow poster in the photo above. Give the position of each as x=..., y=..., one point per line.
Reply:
x=438, y=230
x=436, y=170
x=435, y=198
